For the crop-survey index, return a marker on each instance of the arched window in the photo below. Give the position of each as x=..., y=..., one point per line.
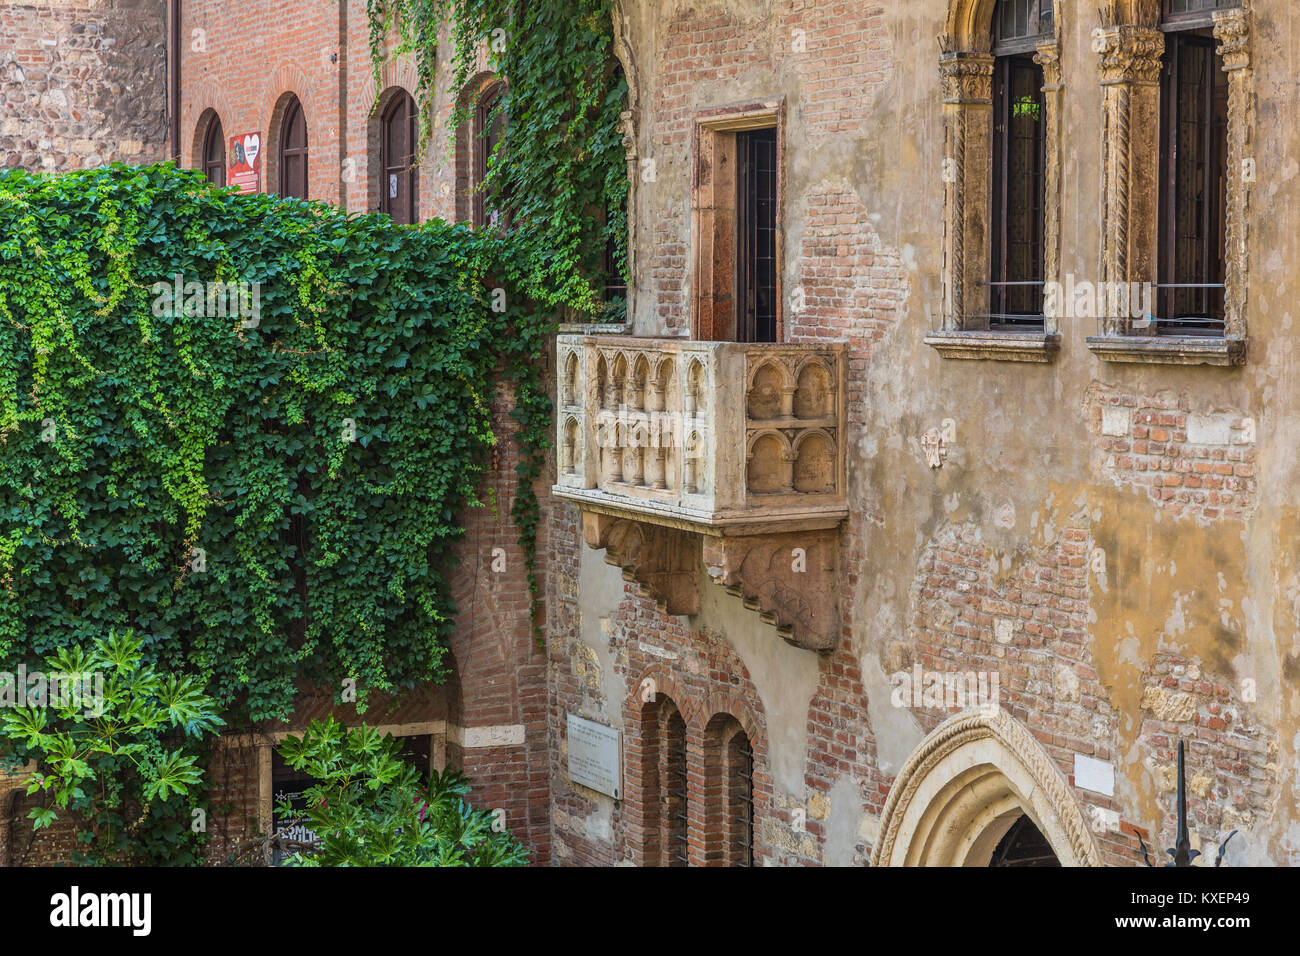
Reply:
x=1019, y=160
x=293, y=151
x=400, y=183
x=728, y=818
x=489, y=130
x=214, y=153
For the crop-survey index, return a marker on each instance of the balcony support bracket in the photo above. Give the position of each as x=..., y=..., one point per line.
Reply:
x=789, y=579
x=661, y=560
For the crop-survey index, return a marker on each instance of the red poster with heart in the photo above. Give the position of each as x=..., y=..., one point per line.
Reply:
x=245, y=172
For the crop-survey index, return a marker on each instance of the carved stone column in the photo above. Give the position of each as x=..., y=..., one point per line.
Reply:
x=968, y=135
x=1130, y=79
x=627, y=124
x=1232, y=31
x=1049, y=58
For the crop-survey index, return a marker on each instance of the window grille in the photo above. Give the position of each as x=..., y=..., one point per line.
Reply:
x=1019, y=159
x=756, y=224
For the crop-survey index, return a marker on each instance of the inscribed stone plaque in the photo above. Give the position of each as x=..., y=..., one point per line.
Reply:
x=594, y=756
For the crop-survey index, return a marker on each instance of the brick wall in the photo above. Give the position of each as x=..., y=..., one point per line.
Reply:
x=1188, y=463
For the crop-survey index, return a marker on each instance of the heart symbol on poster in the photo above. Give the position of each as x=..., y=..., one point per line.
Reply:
x=252, y=146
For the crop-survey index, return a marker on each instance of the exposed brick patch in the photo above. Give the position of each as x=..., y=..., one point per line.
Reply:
x=840, y=743
x=853, y=289
x=1232, y=773
x=1187, y=463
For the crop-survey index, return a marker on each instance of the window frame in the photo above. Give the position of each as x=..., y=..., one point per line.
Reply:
x=408, y=173
x=487, y=121
x=293, y=112
x=1213, y=215
x=215, y=131
x=714, y=218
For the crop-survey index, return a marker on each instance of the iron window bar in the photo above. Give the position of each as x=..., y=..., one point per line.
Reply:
x=677, y=823
x=745, y=774
x=1012, y=321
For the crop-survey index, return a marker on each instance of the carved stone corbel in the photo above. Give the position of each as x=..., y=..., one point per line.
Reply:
x=659, y=559
x=967, y=80
x=789, y=579
x=1232, y=31
x=1130, y=77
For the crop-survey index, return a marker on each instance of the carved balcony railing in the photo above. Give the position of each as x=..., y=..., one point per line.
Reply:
x=740, y=443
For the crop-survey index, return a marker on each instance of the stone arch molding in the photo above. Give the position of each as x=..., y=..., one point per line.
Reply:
x=968, y=26
x=964, y=786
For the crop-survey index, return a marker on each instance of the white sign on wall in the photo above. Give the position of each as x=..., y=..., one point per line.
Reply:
x=595, y=757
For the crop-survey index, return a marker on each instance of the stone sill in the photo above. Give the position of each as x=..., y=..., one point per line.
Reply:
x=1168, y=349
x=996, y=346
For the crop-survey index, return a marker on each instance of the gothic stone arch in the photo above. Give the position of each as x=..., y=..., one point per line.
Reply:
x=964, y=786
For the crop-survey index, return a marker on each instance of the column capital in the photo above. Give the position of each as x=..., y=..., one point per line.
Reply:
x=1232, y=31
x=967, y=77
x=1129, y=54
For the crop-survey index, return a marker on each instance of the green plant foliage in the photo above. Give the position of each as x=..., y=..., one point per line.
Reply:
x=372, y=809
x=119, y=749
x=560, y=168
x=267, y=493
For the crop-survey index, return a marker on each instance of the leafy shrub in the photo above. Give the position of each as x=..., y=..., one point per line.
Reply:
x=119, y=753
x=371, y=808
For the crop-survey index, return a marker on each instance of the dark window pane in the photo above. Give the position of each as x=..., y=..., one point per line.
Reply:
x=740, y=787
x=1018, y=25
x=756, y=273
x=1194, y=112
x=675, y=804
x=1019, y=143
x=489, y=130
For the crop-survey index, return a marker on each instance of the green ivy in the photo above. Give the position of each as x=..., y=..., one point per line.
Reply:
x=317, y=453
x=560, y=168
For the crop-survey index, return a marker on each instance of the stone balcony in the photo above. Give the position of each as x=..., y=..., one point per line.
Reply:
x=731, y=451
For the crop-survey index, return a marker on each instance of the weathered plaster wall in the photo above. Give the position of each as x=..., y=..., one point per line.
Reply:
x=1133, y=523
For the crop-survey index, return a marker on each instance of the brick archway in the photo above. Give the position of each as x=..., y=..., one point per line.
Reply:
x=963, y=788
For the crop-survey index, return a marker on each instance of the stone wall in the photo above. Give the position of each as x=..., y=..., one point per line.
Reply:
x=82, y=84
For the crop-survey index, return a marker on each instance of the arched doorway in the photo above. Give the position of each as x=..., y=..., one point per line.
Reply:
x=962, y=796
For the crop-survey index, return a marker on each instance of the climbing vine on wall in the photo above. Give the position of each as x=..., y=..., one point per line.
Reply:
x=560, y=167
x=245, y=426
